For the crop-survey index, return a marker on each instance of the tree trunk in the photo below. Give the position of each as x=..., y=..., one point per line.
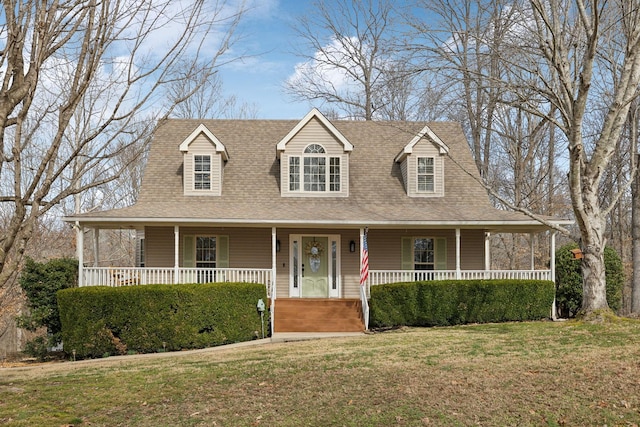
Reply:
x=594, y=295
x=635, y=235
x=592, y=230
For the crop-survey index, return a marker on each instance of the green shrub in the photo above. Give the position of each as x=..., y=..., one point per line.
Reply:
x=454, y=302
x=569, y=280
x=100, y=321
x=40, y=282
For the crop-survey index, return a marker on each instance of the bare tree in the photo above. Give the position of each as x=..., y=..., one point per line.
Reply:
x=575, y=64
x=82, y=82
x=461, y=42
x=634, y=123
x=205, y=97
x=565, y=46
x=347, y=47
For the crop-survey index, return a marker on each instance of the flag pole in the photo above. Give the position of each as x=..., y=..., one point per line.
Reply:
x=364, y=257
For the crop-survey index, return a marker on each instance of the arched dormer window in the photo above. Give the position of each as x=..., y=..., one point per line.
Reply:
x=319, y=173
x=314, y=149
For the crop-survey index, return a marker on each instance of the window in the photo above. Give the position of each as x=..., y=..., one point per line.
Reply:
x=314, y=174
x=205, y=252
x=202, y=172
x=294, y=174
x=426, y=175
x=141, y=252
x=334, y=174
x=423, y=254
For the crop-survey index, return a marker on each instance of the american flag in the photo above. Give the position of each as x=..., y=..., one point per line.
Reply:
x=364, y=269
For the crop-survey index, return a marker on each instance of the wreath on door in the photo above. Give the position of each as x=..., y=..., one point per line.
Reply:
x=314, y=251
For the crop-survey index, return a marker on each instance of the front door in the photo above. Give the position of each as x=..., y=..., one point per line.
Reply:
x=314, y=267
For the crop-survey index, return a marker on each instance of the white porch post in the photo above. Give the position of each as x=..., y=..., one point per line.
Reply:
x=80, y=252
x=273, y=275
x=96, y=247
x=552, y=267
x=532, y=249
x=176, y=254
x=487, y=251
x=457, y=254
x=274, y=243
x=360, y=250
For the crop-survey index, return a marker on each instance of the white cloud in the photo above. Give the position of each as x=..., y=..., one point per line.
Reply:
x=323, y=68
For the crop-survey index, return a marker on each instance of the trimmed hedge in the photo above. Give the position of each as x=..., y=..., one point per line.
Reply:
x=455, y=302
x=99, y=321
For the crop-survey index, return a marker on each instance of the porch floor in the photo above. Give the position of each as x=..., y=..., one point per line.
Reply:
x=315, y=315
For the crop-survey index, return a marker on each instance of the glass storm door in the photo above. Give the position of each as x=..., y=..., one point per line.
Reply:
x=314, y=267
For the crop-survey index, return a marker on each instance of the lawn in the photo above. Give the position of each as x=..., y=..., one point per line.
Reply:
x=531, y=374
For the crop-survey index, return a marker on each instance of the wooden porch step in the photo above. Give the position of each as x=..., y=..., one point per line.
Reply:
x=318, y=315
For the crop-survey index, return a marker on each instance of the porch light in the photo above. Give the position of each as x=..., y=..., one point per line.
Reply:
x=352, y=246
x=277, y=245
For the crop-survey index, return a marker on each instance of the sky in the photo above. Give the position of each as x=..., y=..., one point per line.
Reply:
x=267, y=41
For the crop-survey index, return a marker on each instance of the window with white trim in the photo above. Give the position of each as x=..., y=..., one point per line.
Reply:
x=423, y=254
x=426, y=175
x=141, y=261
x=201, y=172
x=314, y=174
x=205, y=252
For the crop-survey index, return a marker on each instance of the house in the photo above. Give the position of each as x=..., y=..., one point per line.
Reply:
x=287, y=203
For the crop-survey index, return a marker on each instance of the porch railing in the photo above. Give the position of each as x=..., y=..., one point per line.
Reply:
x=380, y=277
x=127, y=276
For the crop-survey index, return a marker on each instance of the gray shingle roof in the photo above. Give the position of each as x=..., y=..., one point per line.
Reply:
x=251, y=183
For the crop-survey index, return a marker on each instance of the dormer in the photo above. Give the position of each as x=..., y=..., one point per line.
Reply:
x=422, y=164
x=204, y=157
x=314, y=159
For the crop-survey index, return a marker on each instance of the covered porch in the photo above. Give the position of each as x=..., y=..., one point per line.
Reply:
x=281, y=263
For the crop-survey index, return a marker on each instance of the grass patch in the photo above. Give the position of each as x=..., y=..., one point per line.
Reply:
x=538, y=373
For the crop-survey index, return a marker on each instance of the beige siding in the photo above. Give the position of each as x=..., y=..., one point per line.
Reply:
x=248, y=247
x=202, y=146
x=403, y=169
x=159, y=244
x=385, y=252
x=314, y=132
x=424, y=148
x=471, y=250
